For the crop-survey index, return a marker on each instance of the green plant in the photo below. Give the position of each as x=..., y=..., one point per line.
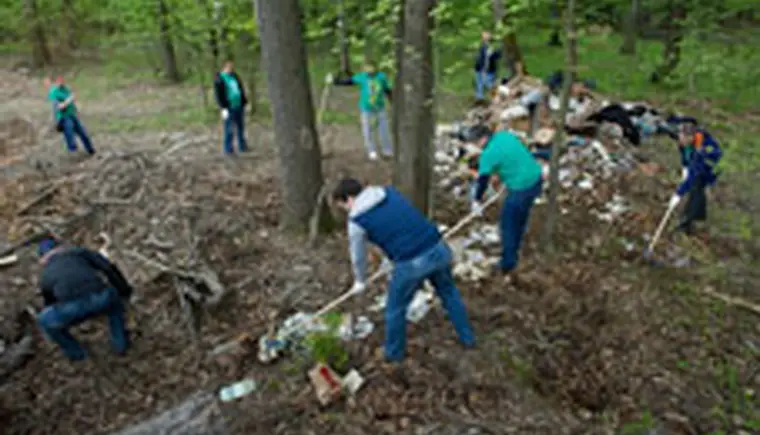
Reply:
x=325, y=346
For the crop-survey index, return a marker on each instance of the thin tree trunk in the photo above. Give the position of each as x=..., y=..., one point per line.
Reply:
x=398, y=90
x=671, y=55
x=571, y=65
x=345, y=49
x=631, y=29
x=167, y=44
x=413, y=169
x=71, y=28
x=512, y=52
x=213, y=13
x=37, y=37
x=251, y=55
x=284, y=55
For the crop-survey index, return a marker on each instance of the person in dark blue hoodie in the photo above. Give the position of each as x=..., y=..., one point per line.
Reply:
x=486, y=66
x=73, y=291
x=415, y=247
x=701, y=154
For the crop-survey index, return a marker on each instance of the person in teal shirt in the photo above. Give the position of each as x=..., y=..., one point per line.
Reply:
x=66, y=116
x=506, y=156
x=231, y=98
x=373, y=90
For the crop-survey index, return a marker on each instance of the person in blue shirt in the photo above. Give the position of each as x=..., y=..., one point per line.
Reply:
x=416, y=248
x=231, y=98
x=700, y=155
x=73, y=291
x=373, y=90
x=486, y=67
x=67, y=116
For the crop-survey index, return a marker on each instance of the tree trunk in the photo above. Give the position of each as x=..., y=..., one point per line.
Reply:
x=213, y=13
x=69, y=18
x=398, y=91
x=571, y=64
x=167, y=44
x=250, y=53
x=512, y=52
x=37, y=37
x=345, y=49
x=631, y=29
x=413, y=169
x=284, y=55
x=671, y=54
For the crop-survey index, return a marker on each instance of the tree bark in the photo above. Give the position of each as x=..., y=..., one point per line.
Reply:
x=167, y=43
x=37, y=37
x=398, y=91
x=284, y=56
x=512, y=52
x=571, y=65
x=671, y=54
x=345, y=48
x=413, y=169
x=69, y=15
x=631, y=29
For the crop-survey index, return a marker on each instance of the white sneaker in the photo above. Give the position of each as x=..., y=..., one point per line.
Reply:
x=373, y=156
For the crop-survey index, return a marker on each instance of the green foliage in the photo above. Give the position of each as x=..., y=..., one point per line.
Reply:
x=325, y=347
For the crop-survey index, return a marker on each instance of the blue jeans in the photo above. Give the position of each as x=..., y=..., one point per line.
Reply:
x=72, y=127
x=382, y=129
x=408, y=276
x=236, y=121
x=483, y=83
x=513, y=222
x=56, y=320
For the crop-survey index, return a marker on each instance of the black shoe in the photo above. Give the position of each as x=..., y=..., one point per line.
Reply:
x=685, y=227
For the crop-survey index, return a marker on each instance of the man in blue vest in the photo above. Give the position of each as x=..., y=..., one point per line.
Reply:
x=700, y=154
x=230, y=96
x=414, y=245
x=73, y=291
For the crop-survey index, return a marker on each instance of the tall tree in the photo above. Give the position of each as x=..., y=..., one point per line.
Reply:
x=631, y=31
x=414, y=165
x=167, y=43
x=37, y=37
x=505, y=21
x=284, y=52
x=571, y=65
x=398, y=91
x=674, y=34
x=345, y=48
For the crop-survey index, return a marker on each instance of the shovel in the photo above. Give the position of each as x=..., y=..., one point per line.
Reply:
x=650, y=249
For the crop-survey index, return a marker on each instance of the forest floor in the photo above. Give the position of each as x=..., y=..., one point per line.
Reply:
x=592, y=341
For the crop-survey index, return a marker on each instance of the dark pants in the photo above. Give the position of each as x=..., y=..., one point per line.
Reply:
x=515, y=214
x=236, y=121
x=72, y=127
x=408, y=276
x=696, y=206
x=56, y=320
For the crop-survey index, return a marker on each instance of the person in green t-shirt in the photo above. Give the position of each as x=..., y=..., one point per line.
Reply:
x=506, y=156
x=373, y=90
x=66, y=115
x=231, y=98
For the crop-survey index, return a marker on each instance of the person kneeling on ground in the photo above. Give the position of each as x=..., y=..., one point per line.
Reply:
x=73, y=291
x=373, y=89
x=702, y=153
x=416, y=248
x=230, y=96
x=504, y=154
x=66, y=117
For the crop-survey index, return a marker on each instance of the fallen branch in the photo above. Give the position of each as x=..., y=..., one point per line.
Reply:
x=732, y=300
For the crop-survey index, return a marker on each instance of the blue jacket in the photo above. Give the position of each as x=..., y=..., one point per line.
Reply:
x=485, y=62
x=385, y=218
x=70, y=273
x=702, y=162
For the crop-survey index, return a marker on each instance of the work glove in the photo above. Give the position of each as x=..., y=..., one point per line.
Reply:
x=386, y=264
x=476, y=208
x=225, y=114
x=684, y=174
x=674, y=200
x=358, y=288
x=329, y=79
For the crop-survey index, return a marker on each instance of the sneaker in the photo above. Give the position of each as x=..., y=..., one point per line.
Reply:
x=373, y=156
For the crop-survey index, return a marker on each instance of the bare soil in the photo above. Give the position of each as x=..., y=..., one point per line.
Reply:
x=590, y=340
